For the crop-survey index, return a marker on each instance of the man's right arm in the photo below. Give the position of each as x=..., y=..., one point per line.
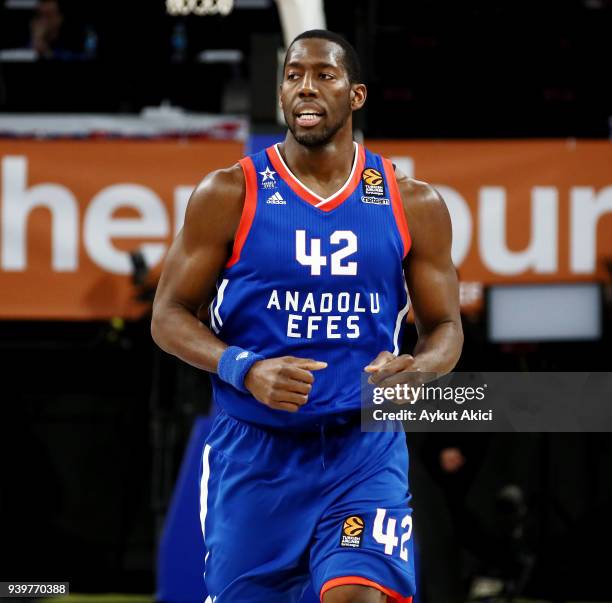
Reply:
x=192, y=266
x=186, y=287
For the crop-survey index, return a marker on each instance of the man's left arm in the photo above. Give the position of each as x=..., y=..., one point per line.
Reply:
x=432, y=283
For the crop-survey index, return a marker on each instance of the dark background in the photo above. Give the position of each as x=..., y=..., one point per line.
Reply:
x=435, y=68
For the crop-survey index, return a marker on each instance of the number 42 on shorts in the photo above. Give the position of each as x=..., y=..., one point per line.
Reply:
x=387, y=534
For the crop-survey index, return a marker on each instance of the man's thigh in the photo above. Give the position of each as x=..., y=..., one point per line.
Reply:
x=256, y=525
x=364, y=539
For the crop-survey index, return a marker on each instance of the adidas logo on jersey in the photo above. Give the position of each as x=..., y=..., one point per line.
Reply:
x=276, y=199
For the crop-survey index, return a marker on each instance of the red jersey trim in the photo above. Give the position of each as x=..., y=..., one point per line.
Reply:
x=248, y=210
x=398, y=207
x=299, y=189
x=346, y=580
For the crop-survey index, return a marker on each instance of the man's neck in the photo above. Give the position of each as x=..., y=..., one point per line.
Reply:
x=330, y=162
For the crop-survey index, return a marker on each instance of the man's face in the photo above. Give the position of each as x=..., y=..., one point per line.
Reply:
x=316, y=93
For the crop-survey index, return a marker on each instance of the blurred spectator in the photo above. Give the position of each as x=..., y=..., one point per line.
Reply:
x=45, y=28
x=449, y=534
x=451, y=459
x=52, y=37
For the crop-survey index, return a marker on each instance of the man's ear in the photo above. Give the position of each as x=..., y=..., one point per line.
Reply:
x=358, y=96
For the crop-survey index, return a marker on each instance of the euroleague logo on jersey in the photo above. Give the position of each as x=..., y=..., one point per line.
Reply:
x=352, y=532
x=373, y=187
x=372, y=176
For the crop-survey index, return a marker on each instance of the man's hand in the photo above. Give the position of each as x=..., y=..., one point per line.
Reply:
x=385, y=368
x=282, y=383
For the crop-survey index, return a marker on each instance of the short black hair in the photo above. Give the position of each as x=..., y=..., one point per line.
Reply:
x=351, y=60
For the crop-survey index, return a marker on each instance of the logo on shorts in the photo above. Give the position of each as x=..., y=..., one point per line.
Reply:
x=372, y=183
x=352, y=532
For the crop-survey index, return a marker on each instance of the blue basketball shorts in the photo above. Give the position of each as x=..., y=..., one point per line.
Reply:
x=281, y=509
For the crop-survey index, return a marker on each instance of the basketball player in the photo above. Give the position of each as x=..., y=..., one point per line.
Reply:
x=297, y=260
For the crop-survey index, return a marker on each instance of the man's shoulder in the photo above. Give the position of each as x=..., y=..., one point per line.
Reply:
x=216, y=204
x=220, y=184
x=423, y=205
x=416, y=192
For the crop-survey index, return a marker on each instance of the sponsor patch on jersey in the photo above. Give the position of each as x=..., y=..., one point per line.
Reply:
x=352, y=532
x=375, y=200
x=372, y=183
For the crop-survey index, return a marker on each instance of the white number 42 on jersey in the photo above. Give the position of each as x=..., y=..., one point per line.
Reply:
x=315, y=260
x=386, y=534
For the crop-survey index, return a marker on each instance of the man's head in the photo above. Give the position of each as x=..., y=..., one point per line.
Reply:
x=321, y=86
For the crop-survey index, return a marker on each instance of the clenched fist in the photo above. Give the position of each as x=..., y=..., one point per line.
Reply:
x=282, y=383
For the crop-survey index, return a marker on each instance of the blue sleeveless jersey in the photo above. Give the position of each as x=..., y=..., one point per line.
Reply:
x=314, y=278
